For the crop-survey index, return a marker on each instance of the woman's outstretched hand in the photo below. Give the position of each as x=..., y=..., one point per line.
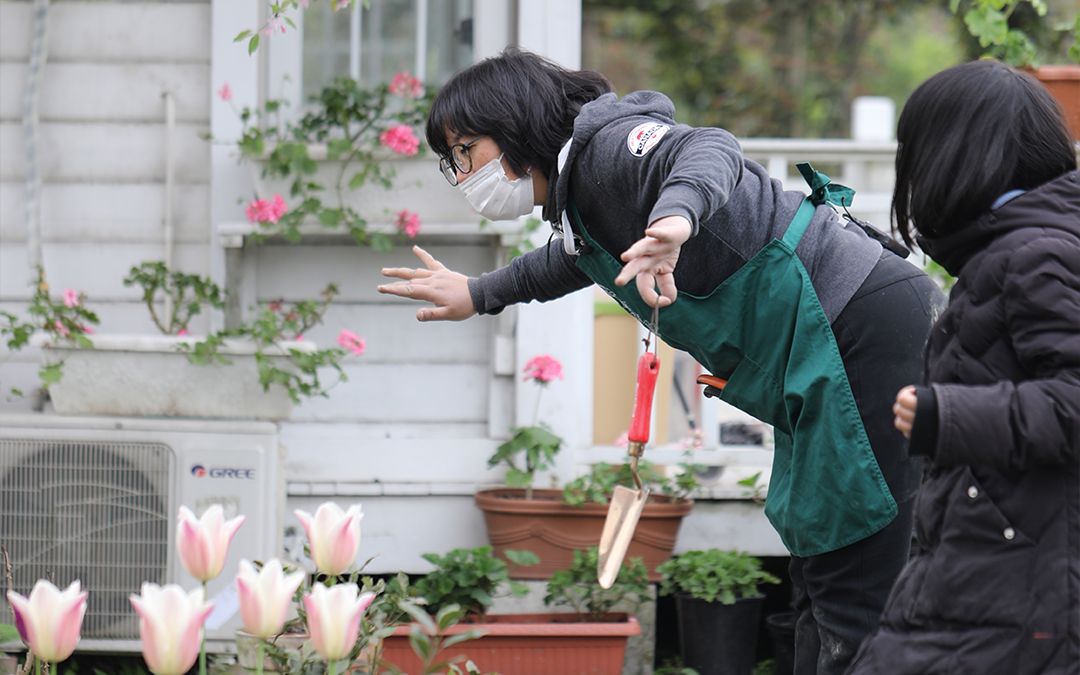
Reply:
x=446, y=289
x=652, y=260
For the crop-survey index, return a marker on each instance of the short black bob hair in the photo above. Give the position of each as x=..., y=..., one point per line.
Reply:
x=968, y=135
x=524, y=102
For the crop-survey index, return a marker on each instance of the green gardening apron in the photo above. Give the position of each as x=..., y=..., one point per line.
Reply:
x=764, y=331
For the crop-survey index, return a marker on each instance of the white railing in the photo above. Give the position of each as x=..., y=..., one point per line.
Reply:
x=865, y=166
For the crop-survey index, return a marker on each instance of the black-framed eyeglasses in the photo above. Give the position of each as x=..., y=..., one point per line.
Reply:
x=458, y=160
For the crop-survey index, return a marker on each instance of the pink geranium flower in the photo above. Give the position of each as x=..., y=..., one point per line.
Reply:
x=351, y=341
x=225, y=93
x=408, y=222
x=400, y=139
x=71, y=298
x=405, y=85
x=61, y=328
x=266, y=210
x=182, y=332
x=543, y=369
x=341, y=4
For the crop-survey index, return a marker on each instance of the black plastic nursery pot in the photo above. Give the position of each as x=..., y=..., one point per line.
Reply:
x=781, y=626
x=718, y=639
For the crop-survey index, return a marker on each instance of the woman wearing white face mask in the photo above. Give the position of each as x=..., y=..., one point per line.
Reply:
x=812, y=323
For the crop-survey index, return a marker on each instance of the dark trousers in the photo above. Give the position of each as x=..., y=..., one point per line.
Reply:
x=838, y=596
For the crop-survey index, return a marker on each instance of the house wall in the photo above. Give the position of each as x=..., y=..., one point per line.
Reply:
x=102, y=153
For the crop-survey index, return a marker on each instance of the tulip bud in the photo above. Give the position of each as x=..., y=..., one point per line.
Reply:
x=49, y=620
x=265, y=597
x=203, y=543
x=333, y=616
x=333, y=536
x=170, y=625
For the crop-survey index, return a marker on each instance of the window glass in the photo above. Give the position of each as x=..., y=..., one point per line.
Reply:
x=429, y=38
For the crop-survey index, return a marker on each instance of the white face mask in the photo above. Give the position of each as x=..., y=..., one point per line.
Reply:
x=494, y=196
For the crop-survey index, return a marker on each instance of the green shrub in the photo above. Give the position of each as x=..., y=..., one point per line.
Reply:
x=714, y=575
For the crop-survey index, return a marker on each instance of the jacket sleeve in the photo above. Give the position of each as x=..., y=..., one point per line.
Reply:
x=1014, y=425
x=544, y=273
x=700, y=168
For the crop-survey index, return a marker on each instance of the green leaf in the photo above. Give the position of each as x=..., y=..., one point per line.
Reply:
x=419, y=616
x=523, y=558
x=988, y=26
x=241, y=35
x=330, y=217
x=51, y=374
x=750, y=481
x=448, y=616
x=253, y=44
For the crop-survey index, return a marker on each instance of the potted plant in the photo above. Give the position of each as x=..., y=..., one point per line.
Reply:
x=555, y=523
x=592, y=640
x=994, y=24
x=257, y=369
x=348, y=141
x=718, y=603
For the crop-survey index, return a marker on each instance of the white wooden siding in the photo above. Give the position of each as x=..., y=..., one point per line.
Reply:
x=106, y=212
x=101, y=153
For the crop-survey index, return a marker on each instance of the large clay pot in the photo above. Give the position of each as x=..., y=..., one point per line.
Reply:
x=1064, y=84
x=531, y=644
x=553, y=530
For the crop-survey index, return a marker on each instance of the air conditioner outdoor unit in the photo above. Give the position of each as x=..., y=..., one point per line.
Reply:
x=96, y=499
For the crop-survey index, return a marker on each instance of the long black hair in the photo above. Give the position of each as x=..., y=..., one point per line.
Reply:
x=523, y=101
x=968, y=135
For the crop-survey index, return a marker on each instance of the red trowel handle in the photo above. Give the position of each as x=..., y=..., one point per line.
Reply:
x=648, y=367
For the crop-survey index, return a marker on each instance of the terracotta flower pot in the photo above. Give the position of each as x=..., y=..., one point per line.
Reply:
x=531, y=644
x=553, y=530
x=1064, y=85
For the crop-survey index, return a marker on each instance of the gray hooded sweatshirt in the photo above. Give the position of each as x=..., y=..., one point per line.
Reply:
x=630, y=164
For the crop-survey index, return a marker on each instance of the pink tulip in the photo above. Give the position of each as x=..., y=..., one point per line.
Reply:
x=203, y=543
x=333, y=536
x=333, y=616
x=265, y=597
x=50, y=619
x=170, y=625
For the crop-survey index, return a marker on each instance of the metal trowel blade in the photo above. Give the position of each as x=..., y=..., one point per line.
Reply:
x=622, y=517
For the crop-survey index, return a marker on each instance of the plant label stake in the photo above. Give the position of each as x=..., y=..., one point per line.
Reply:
x=626, y=504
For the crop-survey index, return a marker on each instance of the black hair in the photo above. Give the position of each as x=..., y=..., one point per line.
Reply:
x=968, y=135
x=524, y=102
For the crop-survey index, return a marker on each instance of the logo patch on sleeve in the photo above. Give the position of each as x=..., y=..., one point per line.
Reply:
x=644, y=137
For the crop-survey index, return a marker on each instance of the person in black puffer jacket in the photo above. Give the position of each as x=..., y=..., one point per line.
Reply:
x=987, y=175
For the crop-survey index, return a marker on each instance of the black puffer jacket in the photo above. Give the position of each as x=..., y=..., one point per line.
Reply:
x=994, y=582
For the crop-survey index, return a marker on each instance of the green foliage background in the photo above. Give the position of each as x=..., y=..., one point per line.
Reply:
x=787, y=68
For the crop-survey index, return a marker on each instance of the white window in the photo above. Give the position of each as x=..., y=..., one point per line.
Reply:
x=431, y=39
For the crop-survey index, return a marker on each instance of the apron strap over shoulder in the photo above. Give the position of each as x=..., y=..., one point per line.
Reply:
x=822, y=191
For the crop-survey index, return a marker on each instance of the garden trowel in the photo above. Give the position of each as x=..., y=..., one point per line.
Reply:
x=626, y=504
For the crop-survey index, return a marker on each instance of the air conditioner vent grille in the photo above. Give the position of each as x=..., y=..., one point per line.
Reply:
x=98, y=512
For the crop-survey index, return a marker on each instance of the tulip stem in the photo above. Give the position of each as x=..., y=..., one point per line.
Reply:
x=37, y=665
x=333, y=667
x=202, y=643
x=259, y=657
